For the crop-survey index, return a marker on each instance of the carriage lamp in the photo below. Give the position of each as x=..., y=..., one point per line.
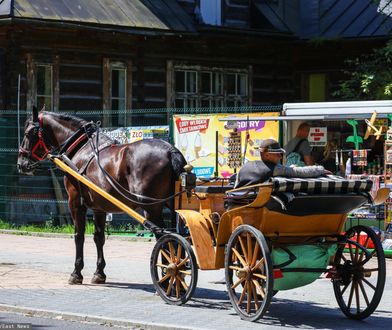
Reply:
x=188, y=180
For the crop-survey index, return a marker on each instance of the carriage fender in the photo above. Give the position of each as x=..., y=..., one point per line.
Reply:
x=201, y=238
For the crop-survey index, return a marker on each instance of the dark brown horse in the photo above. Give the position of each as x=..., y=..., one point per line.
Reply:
x=144, y=168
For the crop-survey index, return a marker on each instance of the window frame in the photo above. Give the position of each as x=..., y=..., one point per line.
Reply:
x=218, y=95
x=44, y=96
x=32, y=65
x=108, y=66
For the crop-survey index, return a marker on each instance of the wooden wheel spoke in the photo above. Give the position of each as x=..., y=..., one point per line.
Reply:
x=169, y=288
x=254, y=293
x=182, y=282
x=183, y=262
x=363, y=250
x=177, y=289
x=254, y=254
x=351, y=251
x=369, y=284
x=345, y=288
x=185, y=272
x=263, y=277
x=259, y=263
x=243, y=248
x=163, y=252
x=238, y=283
x=356, y=289
x=236, y=268
x=259, y=288
x=365, y=270
x=356, y=247
x=179, y=251
x=171, y=249
x=242, y=261
x=243, y=294
x=249, y=243
x=164, y=278
x=249, y=297
x=350, y=298
x=364, y=293
x=161, y=265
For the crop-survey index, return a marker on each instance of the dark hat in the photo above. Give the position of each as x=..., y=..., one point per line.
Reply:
x=271, y=146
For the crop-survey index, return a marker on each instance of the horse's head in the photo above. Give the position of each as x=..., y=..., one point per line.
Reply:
x=34, y=147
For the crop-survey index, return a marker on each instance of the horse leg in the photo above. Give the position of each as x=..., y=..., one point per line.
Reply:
x=154, y=214
x=99, y=239
x=79, y=217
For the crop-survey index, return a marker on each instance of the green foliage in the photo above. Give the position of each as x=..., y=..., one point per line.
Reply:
x=47, y=228
x=370, y=76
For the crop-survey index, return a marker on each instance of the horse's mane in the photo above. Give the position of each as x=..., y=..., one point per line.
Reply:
x=67, y=117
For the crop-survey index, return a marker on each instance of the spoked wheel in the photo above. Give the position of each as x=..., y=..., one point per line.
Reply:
x=248, y=272
x=360, y=273
x=173, y=269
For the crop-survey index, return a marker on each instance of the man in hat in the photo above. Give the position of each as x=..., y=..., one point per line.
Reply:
x=260, y=171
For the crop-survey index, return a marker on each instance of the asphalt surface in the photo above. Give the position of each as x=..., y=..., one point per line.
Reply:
x=34, y=273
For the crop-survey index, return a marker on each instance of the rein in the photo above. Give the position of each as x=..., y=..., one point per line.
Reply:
x=121, y=190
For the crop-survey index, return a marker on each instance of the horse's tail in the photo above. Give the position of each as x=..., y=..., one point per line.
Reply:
x=177, y=160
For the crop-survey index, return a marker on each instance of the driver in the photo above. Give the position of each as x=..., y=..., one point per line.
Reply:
x=271, y=153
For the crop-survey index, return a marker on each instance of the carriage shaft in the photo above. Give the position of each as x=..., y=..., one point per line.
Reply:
x=63, y=166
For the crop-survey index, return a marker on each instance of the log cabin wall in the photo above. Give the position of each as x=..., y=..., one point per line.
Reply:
x=78, y=58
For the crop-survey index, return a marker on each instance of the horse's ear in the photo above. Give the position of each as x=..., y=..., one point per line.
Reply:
x=43, y=107
x=35, y=114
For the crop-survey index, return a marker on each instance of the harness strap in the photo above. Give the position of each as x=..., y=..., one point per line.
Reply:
x=40, y=145
x=77, y=140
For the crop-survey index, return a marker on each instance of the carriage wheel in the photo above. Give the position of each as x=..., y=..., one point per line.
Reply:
x=360, y=273
x=248, y=272
x=173, y=269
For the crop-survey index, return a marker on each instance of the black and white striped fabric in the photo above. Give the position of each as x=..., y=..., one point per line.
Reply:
x=330, y=184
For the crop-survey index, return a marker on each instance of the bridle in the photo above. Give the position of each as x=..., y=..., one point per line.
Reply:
x=40, y=150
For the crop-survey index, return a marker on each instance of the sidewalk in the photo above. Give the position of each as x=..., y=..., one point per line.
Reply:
x=34, y=272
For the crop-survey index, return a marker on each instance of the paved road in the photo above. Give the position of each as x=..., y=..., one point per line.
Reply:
x=28, y=321
x=34, y=273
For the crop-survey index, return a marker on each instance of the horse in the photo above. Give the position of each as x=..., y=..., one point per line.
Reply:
x=144, y=168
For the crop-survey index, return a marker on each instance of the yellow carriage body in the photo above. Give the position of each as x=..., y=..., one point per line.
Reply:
x=209, y=239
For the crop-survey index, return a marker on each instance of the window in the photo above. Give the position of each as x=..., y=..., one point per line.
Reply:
x=117, y=92
x=209, y=87
x=118, y=97
x=44, y=96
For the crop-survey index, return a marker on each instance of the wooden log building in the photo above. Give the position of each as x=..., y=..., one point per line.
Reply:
x=135, y=54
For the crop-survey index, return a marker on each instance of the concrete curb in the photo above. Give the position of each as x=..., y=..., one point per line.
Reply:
x=58, y=315
x=59, y=235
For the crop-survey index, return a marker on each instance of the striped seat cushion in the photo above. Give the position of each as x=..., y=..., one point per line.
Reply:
x=330, y=184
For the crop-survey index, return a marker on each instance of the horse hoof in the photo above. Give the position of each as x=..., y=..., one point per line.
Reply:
x=75, y=280
x=98, y=279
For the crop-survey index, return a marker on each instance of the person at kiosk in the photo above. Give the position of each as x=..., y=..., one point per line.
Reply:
x=271, y=154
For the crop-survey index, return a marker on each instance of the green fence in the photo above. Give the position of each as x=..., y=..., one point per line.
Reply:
x=41, y=198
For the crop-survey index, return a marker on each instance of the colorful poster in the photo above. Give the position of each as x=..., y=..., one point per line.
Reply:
x=195, y=136
x=132, y=134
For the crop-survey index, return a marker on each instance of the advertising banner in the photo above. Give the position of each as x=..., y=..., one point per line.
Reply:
x=133, y=134
x=195, y=136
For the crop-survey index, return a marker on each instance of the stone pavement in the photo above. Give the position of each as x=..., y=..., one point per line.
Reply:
x=34, y=272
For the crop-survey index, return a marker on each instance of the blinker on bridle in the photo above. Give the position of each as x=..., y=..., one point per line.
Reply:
x=40, y=150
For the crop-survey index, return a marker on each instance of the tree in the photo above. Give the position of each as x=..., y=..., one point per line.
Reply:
x=370, y=77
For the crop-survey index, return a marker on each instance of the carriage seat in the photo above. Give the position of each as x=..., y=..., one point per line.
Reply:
x=302, y=196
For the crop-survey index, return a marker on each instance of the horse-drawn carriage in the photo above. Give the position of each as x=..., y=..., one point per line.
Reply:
x=268, y=237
